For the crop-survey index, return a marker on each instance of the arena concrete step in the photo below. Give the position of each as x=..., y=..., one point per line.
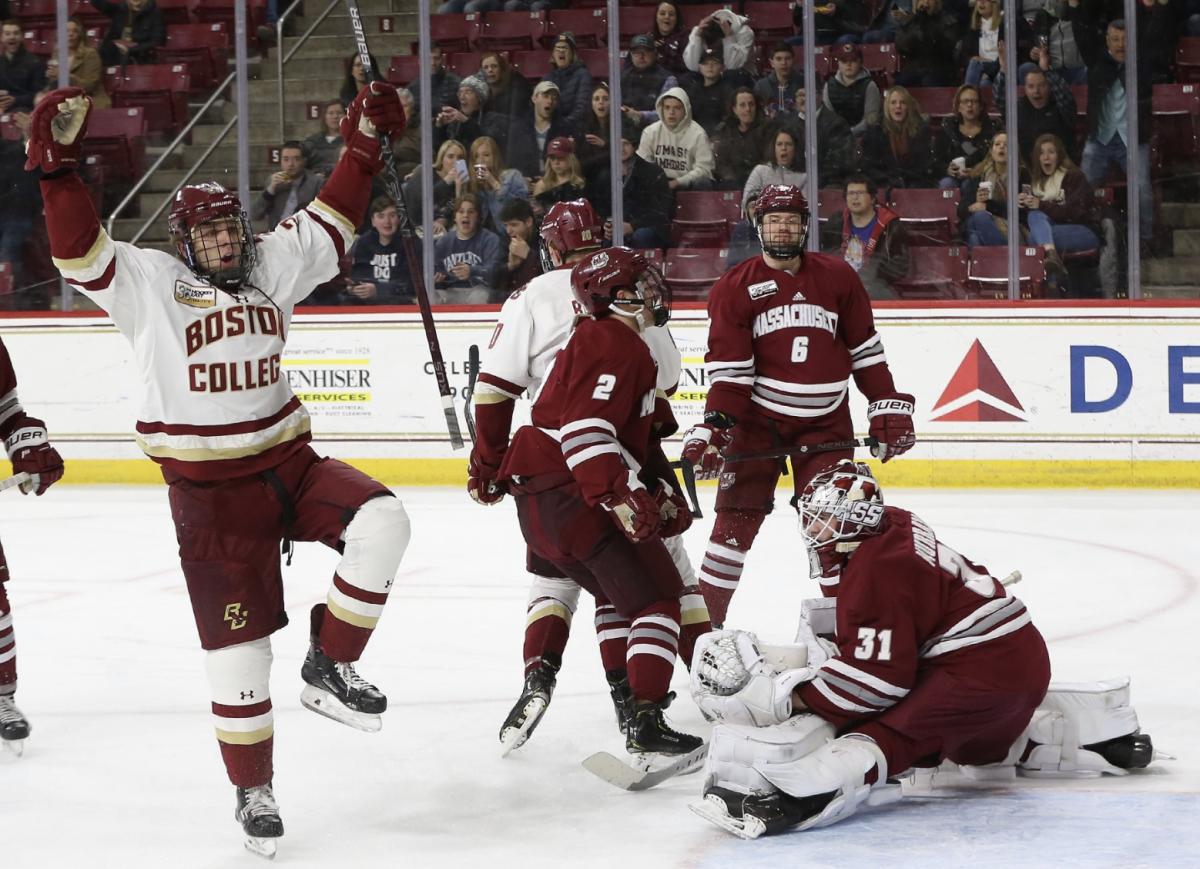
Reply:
x=1187, y=242
x=1181, y=215
x=1178, y=271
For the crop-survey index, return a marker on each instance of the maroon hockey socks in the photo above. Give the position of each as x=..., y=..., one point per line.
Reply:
x=8, y=645
x=653, y=645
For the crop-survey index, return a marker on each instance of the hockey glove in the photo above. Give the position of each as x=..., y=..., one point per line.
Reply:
x=30, y=451
x=732, y=683
x=674, y=512
x=482, y=485
x=633, y=509
x=891, y=423
x=56, y=130
x=704, y=445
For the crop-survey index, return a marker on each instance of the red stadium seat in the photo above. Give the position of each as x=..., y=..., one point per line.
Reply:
x=403, y=69
x=881, y=60
x=654, y=256
x=929, y=215
x=987, y=272
x=705, y=218
x=691, y=15
x=6, y=279
x=203, y=48
x=771, y=20
x=510, y=31
x=37, y=14
x=223, y=11
x=691, y=272
x=937, y=103
x=596, y=61
x=826, y=63
x=1187, y=59
x=1175, y=107
x=464, y=63
x=589, y=26
x=453, y=33
x=161, y=89
x=934, y=273
x=116, y=140
x=9, y=131
x=90, y=15
x=40, y=42
x=178, y=12
x=635, y=20
x=531, y=64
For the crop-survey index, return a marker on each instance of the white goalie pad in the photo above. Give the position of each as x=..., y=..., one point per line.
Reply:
x=817, y=629
x=735, y=749
x=731, y=680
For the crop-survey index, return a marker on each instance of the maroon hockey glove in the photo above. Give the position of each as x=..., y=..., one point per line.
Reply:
x=891, y=423
x=482, y=485
x=383, y=110
x=634, y=510
x=57, y=129
x=704, y=448
x=674, y=512
x=30, y=451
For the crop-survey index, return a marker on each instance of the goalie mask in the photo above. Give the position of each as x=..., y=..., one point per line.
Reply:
x=781, y=235
x=840, y=507
x=212, y=235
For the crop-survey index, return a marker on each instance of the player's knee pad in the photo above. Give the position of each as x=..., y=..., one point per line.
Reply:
x=240, y=675
x=375, y=541
x=550, y=592
x=1065, y=734
x=840, y=767
x=735, y=751
x=680, y=557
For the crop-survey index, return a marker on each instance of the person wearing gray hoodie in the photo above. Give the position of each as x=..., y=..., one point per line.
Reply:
x=677, y=144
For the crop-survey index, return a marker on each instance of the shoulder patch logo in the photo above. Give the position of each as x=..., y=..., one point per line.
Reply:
x=765, y=288
x=195, y=297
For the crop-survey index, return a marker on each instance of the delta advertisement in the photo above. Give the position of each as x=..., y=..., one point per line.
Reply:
x=1018, y=384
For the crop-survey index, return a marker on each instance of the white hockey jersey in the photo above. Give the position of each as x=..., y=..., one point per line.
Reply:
x=215, y=401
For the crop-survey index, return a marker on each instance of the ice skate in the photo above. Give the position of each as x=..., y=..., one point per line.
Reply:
x=336, y=691
x=14, y=727
x=529, y=708
x=648, y=735
x=749, y=816
x=622, y=697
x=1131, y=751
x=258, y=813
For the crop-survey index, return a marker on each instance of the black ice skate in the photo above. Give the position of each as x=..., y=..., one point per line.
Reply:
x=622, y=697
x=258, y=813
x=1131, y=751
x=336, y=691
x=530, y=706
x=647, y=732
x=14, y=727
x=752, y=815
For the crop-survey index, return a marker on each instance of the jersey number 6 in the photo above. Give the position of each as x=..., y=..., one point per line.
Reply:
x=800, y=349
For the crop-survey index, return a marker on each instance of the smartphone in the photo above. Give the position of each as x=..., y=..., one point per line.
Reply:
x=1027, y=189
x=460, y=166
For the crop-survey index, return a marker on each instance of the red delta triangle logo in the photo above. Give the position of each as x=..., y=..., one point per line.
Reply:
x=978, y=392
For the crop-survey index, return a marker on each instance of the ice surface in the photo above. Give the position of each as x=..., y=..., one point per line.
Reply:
x=122, y=768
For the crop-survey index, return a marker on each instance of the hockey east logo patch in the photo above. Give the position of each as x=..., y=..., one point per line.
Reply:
x=762, y=289
x=195, y=297
x=726, y=480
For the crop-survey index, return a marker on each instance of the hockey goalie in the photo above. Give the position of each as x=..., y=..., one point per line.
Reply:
x=929, y=660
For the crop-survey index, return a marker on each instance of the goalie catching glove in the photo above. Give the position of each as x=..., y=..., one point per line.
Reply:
x=732, y=682
x=56, y=131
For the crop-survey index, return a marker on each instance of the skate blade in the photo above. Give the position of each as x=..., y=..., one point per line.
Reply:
x=261, y=847
x=714, y=810
x=512, y=738
x=14, y=746
x=324, y=703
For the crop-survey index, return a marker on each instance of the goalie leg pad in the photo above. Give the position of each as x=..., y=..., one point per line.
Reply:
x=1073, y=717
x=239, y=682
x=849, y=767
x=735, y=750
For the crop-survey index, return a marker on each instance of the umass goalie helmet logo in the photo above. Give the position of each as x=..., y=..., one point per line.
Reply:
x=840, y=506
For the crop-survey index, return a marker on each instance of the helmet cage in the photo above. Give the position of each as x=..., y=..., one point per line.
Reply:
x=774, y=199
x=183, y=225
x=839, y=507
x=652, y=291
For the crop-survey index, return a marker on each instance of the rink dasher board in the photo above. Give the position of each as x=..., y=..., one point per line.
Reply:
x=1101, y=394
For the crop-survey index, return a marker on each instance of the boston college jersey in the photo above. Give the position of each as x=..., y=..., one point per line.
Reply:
x=786, y=345
x=215, y=402
x=905, y=601
x=594, y=414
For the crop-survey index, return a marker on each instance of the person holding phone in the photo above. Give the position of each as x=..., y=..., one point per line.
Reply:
x=1062, y=213
x=492, y=183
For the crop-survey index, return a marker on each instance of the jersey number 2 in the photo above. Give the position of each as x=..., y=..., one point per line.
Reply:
x=605, y=384
x=868, y=639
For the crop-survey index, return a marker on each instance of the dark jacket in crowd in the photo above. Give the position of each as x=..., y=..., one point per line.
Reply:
x=952, y=144
x=574, y=93
x=385, y=266
x=514, y=100
x=670, y=48
x=146, y=29
x=22, y=77
x=591, y=157
x=523, y=151
x=444, y=85
x=1057, y=116
x=914, y=168
x=640, y=87
x=926, y=46
x=737, y=152
x=1077, y=205
x=835, y=143
x=710, y=103
x=645, y=196
x=482, y=123
x=775, y=97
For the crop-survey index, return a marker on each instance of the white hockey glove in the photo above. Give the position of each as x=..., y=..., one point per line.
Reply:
x=815, y=615
x=732, y=683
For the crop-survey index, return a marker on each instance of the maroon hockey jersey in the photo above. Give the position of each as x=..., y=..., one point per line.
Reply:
x=594, y=414
x=11, y=412
x=787, y=344
x=905, y=600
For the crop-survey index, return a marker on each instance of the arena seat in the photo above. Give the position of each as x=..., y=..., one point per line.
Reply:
x=116, y=138
x=37, y=14
x=203, y=48
x=453, y=33
x=509, y=31
x=635, y=20
x=1187, y=59
x=771, y=20
x=596, y=61
x=9, y=131
x=589, y=26
x=6, y=279
x=691, y=15
x=937, y=103
x=40, y=43
x=704, y=218
x=690, y=272
x=223, y=11
x=987, y=272
x=826, y=63
x=934, y=272
x=403, y=68
x=464, y=63
x=176, y=12
x=881, y=60
x=929, y=215
x=161, y=89
x=1175, y=107
x=532, y=64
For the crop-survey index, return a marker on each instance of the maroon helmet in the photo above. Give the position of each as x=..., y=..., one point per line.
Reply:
x=569, y=227
x=774, y=198
x=597, y=277
x=198, y=204
x=840, y=507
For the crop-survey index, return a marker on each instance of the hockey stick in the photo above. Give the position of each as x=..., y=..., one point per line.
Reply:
x=408, y=239
x=15, y=480
x=689, y=474
x=472, y=374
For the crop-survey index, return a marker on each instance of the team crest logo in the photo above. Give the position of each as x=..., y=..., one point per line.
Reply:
x=236, y=616
x=726, y=480
x=763, y=289
x=600, y=260
x=195, y=297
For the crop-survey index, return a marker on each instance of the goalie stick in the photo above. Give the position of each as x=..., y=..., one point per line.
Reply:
x=628, y=777
x=408, y=239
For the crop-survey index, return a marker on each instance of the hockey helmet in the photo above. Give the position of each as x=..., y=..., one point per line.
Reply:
x=569, y=227
x=225, y=262
x=840, y=506
x=598, y=277
x=781, y=241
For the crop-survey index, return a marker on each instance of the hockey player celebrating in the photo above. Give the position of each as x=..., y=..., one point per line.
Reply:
x=576, y=474
x=933, y=661
x=30, y=452
x=208, y=330
x=788, y=330
x=534, y=324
